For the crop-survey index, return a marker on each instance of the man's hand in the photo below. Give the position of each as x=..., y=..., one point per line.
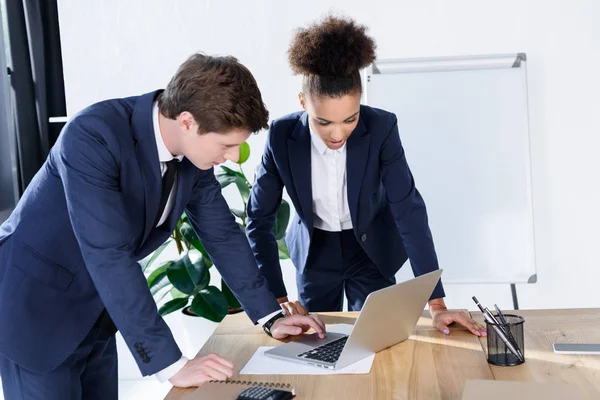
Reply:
x=297, y=324
x=201, y=369
x=442, y=318
x=291, y=307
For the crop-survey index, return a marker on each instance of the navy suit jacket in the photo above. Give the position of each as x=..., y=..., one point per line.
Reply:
x=388, y=214
x=72, y=245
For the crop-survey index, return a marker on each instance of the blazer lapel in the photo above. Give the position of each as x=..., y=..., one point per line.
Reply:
x=147, y=155
x=357, y=154
x=299, y=153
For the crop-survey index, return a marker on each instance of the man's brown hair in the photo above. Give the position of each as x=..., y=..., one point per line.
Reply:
x=219, y=92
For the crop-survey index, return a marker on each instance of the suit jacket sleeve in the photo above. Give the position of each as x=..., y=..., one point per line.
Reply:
x=263, y=206
x=228, y=247
x=407, y=205
x=88, y=165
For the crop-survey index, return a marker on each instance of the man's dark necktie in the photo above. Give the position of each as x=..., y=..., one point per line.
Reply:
x=168, y=181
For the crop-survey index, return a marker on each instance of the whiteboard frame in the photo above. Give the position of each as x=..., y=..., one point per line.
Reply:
x=461, y=63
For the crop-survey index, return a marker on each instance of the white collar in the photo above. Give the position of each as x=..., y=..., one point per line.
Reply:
x=164, y=154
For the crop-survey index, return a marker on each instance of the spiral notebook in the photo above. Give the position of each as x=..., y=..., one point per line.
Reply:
x=229, y=390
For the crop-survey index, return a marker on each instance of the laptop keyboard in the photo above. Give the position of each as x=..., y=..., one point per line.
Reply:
x=329, y=352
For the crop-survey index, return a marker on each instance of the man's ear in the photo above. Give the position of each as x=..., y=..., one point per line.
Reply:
x=186, y=121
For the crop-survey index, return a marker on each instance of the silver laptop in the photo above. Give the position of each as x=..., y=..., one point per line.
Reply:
x=388, y=317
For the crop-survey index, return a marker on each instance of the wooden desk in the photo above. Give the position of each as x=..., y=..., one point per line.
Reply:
x=542, y=329
x=430, y=365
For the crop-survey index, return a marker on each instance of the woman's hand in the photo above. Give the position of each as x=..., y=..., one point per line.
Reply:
x=291, y=307
x=442, y=318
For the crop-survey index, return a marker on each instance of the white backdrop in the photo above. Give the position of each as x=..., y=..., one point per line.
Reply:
x=117, y=48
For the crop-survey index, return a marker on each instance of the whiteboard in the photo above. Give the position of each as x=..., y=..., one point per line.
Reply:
x=465, y=133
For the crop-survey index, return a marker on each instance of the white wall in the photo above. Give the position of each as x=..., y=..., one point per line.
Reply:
x=117, y=48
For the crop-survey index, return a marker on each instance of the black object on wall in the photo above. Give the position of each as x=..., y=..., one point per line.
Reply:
x=36, y=79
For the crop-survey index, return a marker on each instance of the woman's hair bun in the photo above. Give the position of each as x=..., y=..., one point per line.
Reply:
x=332, y=47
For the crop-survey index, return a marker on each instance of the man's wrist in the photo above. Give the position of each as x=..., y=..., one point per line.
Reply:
x=172, y=370
x=267, y=317
x=271, y=322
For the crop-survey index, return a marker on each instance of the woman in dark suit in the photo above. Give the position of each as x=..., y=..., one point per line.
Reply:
x=359, y=215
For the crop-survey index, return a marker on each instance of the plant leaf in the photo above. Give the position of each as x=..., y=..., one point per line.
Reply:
x=162, y=293
x=284, y=253
x=197, y=273
x=244, y=190
x=225, y=180
x=189, y=234
x=232, y=172
x=157, y=274
x=176, y=294
x=172, y=305
x=155, y=255
x=244, y=153
x=232, y=301
x=160, y=284
x=202, y=276
x=281, y=222
x=210, y=303
x=237, y=213
x=227, y=176
x=159, y=281
x=180, y=276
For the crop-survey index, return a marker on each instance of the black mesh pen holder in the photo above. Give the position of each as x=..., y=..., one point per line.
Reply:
x=498, y=352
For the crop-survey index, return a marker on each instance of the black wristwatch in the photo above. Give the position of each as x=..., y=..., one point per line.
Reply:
x=267, y=326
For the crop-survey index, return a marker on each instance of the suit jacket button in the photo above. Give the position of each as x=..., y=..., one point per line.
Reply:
x=363, y=237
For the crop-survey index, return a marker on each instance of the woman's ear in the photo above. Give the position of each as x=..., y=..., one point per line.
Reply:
x=302, y=101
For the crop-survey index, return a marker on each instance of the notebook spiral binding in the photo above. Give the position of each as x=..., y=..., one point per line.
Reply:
x=256, y=383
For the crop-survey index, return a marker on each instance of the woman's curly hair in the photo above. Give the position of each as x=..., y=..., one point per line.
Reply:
x=330, y=54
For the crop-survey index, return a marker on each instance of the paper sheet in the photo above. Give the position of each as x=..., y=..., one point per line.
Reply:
x=260, y=364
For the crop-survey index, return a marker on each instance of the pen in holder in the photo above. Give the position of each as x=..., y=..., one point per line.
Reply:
x=511, y=327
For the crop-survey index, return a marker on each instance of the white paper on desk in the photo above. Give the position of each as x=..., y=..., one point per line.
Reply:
x=260, y=364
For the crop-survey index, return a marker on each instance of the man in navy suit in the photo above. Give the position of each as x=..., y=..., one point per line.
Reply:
x=110, y=192
x=359, y=215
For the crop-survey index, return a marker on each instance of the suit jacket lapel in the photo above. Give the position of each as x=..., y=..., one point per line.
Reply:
x=357, y=154
x=299, y=153
x=147, y=156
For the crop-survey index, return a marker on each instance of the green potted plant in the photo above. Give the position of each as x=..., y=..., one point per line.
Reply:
x=184, y=282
